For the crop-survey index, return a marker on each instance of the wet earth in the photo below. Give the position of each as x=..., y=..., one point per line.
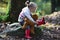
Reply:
x=45, y=34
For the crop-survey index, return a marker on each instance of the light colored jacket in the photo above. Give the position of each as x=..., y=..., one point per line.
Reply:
x=25, y=13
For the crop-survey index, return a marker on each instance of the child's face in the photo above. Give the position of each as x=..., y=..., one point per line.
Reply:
x=33, y=9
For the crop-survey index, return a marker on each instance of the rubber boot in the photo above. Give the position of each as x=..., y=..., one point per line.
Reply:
x=27, y=34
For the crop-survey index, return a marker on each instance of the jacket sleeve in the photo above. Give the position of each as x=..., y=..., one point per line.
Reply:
x=27, y=14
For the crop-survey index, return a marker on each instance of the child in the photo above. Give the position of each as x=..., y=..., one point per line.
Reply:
x=26, y=18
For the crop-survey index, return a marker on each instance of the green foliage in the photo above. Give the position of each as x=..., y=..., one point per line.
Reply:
x=4, y=9
x=0, y=19
x=42, y=27
x=3, y=17
x=44, y=7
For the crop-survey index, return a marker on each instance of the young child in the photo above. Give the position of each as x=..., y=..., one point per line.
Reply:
x=27, y=19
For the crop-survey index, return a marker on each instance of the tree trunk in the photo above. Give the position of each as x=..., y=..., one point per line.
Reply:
x=53, y=5
x=16, y=6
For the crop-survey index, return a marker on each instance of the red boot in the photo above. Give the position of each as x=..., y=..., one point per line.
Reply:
x=27, y=34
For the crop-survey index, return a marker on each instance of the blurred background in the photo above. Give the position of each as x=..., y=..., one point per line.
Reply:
x=10, y=9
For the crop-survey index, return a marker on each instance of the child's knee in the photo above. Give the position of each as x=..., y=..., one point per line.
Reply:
x=25, y=19
x=25, y=23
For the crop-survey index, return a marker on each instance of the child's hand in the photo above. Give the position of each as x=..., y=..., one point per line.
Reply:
x=36, y=22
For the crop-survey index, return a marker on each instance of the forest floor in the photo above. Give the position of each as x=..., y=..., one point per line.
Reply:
x=47, y=34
